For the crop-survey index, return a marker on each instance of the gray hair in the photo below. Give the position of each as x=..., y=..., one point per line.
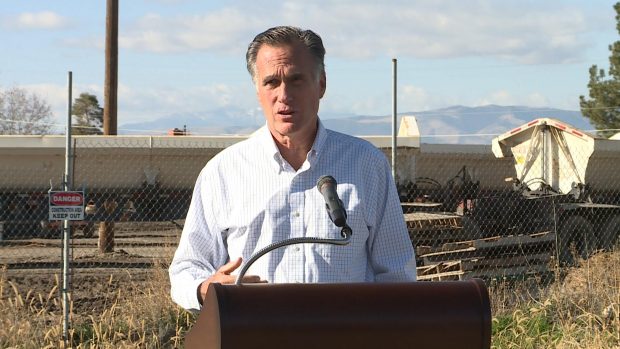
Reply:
x=286, y=35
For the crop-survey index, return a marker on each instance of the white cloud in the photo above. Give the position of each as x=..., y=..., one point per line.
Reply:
x=413, y=98
x=503, y=97
x=410, y=99
x=36, y=20
x=536, y=100
x=222, y=30
x=55, y=96
x=346, y=103
x=146, y=104
x=447, y=29
x=363, y=29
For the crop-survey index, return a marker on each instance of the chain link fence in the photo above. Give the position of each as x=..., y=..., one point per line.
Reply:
x=541, y=198
x=471, y=210
x=136, y=189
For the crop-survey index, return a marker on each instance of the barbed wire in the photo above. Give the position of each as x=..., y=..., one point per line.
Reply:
x=498, y=134
x=516, y=111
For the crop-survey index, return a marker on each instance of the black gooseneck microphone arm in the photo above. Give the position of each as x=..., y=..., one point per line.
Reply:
x=346, y=238
x=345, y=231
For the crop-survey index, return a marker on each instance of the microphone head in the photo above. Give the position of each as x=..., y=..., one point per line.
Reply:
x=323, y=180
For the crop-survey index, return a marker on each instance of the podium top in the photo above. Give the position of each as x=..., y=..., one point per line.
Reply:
x=453, y=314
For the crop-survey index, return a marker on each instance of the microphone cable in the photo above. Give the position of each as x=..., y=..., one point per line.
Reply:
x=346, y=233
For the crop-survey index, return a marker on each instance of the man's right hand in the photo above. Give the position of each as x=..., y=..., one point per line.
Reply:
x=222, y=276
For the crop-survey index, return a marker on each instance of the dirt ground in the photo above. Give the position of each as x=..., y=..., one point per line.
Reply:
x=35, y=265
x=141, y=249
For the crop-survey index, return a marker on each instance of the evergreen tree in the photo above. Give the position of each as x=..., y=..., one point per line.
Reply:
x=603, y=107
x=88, y=115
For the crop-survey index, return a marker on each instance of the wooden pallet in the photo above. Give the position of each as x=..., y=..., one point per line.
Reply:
x=432, y=221
x=503, y=241
x=451, y=270
x=432, y=228
x=494, y=246
x=488, y=258
x=437, y=228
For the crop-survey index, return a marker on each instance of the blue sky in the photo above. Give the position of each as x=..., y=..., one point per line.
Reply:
x=188, y=57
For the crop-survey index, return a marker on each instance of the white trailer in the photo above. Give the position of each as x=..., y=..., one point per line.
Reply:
x=557, y=169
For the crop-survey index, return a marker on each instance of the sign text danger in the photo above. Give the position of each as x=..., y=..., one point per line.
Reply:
x=66, y=205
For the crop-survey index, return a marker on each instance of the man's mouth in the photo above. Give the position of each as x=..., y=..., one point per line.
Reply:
x=285, y=112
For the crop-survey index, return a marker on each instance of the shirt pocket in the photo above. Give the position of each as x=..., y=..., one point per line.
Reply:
x=346, y=260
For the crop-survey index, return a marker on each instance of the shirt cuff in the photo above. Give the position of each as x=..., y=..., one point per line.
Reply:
x=190, y=296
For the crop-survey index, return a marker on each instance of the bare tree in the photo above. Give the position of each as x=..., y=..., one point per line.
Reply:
x=23, y=113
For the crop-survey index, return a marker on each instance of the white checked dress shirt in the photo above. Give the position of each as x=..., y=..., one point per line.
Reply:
x=248, y=197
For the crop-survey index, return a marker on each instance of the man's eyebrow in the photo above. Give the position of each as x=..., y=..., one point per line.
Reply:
x=290, y=76
x=268, y=78
x=295, y=75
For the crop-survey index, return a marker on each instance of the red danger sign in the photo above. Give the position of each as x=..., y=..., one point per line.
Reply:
x=66, y=205
x=67, y=198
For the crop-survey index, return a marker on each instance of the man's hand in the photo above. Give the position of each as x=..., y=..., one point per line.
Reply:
x=222, y=276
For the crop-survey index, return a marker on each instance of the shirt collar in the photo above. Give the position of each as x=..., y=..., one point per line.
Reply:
x=266, y=142
x=319, y=143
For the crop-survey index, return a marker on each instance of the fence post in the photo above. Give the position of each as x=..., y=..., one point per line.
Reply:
x=106, y=227
x=66, y=228
x=394, y=119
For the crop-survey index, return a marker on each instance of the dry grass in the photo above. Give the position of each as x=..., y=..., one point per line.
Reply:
x=580, y=311
x=143, y=317
x=25, y=316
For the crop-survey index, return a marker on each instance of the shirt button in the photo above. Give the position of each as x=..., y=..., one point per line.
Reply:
x=296, y=214
x=296, y=249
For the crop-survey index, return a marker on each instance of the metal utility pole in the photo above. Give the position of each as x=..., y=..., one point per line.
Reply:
x=106, y=227
x=394, y=120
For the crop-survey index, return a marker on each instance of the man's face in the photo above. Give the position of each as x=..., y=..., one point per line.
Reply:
x=288, y=90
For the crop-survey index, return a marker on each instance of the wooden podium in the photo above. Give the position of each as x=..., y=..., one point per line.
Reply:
x=428, y=315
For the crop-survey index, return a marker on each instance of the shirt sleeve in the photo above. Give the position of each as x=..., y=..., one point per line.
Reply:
x=392, y=256
x=201, y=249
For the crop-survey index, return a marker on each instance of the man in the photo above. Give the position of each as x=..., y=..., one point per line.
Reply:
x=263, y=190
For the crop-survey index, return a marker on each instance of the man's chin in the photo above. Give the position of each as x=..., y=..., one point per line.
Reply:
x=287, y=130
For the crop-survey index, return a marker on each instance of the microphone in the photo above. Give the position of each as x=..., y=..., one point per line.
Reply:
x=327, y=187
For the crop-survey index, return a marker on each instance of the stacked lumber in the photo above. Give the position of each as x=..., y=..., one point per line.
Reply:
x=487, y=258
x=436, y=228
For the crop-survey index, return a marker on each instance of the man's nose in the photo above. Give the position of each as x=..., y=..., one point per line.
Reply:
x=285, y=93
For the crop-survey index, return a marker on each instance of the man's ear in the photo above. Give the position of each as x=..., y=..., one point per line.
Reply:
x=323, y=82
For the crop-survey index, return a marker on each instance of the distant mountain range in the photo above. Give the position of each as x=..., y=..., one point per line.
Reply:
x=456, y=125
